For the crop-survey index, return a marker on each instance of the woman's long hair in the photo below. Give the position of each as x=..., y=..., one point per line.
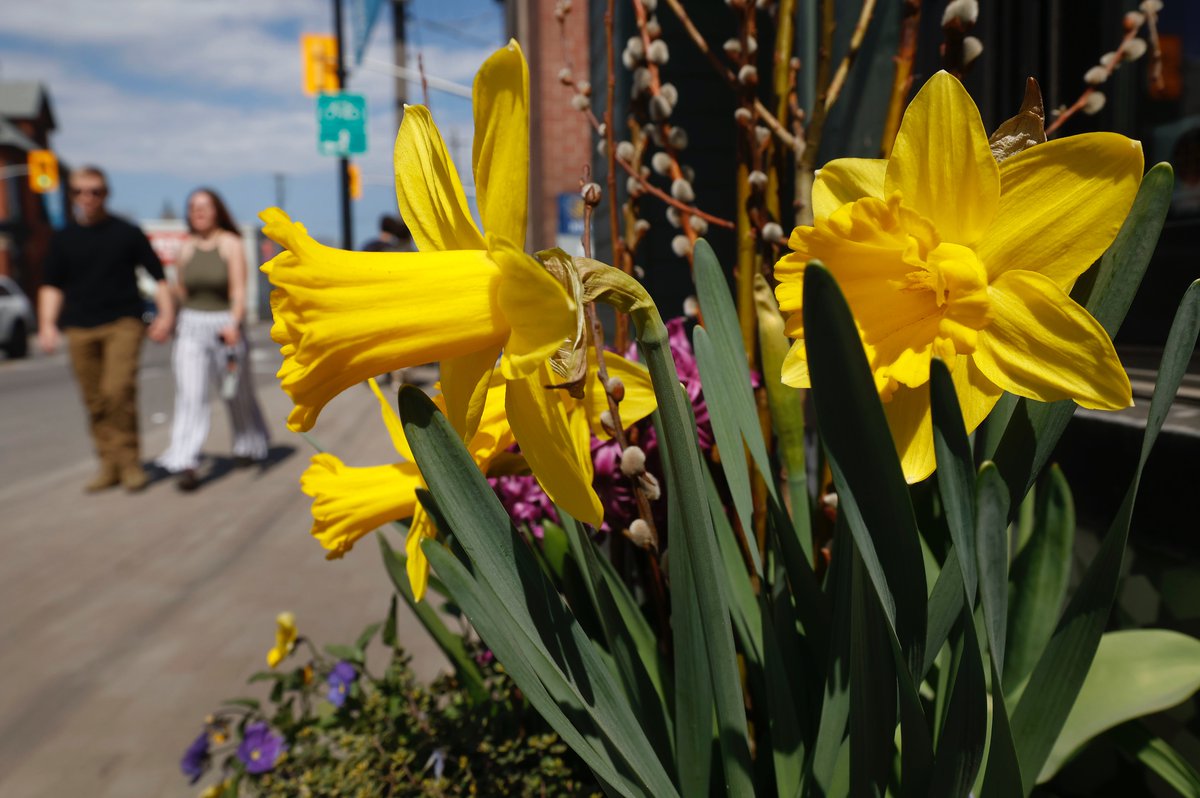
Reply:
x=224, y=218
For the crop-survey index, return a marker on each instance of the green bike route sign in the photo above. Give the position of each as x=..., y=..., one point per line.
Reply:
x=341, y=124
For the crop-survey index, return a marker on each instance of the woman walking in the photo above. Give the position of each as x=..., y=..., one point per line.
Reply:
x=210, y=344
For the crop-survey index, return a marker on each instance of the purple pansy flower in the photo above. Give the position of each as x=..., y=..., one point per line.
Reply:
x=340, y=678
x=260, y=748
x=195, y=758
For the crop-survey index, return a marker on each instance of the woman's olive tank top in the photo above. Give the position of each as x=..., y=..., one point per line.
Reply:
x=206, y=280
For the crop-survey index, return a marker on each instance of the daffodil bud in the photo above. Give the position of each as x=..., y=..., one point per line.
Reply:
x=972, y=49
x=691, y=307
x=633, y=461
x=732, y=47
x=682, y=190
x=743, y=116
x=614, y=386
x=1094, y=103
x=673, y=216
x=758, y=180
x=748, y=75
x=678, y=138
x=681, y=246
x=591, y=194
x=1095, y=76
x=625, y=151
x=698, y=224
x=639, y=534
x=1134, y=20
x=649, y=485
x=964, y=12
x=660, y=108
x=1134, y=49
x=772, y=233
x=658, y=53
x=661, y=162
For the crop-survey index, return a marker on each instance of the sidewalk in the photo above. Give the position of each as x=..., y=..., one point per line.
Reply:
x=129, y=617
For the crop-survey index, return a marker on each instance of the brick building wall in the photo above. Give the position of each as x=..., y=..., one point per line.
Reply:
x=561, y=141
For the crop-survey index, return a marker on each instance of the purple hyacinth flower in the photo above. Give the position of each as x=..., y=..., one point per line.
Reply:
x=260, y=748
x=195, y=758
x=340, y=679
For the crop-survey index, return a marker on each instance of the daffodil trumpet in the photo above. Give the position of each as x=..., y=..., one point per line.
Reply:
x=941, y=251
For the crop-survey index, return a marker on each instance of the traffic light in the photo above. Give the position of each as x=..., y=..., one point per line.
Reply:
x=355, y=181
x=43, y=171
x=320, y=55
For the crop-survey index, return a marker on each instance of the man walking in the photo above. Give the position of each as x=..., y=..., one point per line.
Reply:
x=90, y=291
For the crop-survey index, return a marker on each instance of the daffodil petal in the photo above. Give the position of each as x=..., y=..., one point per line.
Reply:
x=392, y=422
x=539, y=419
x=911, y=424
x=846, y=180
x=493, y=435
x=417, y=564
x=342, y=317
x=795, y=366
x=350, y=503
x=537, y=306
x=500, y=153
x=428, y=190
x=465, y=385
x=1061, y=205
x=941, y=162
x=639, y=400
x=1044, y=346
x=977, y=395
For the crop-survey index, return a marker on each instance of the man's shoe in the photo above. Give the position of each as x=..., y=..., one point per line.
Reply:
x=188, y=480
x=134, y=478
x=105, y=479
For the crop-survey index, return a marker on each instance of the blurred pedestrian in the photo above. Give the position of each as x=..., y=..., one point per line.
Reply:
x=210, y=341
x=91, y=292
x=394, y=236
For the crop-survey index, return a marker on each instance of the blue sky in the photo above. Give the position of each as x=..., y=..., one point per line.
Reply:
x=168, y=95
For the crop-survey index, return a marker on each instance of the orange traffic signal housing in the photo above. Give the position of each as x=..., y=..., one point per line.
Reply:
x=43, y=171
x=320, y=55
x=355, y=181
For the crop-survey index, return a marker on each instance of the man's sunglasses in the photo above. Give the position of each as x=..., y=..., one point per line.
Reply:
x=91, y=192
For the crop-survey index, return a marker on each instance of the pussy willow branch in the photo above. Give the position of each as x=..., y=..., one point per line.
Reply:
x=760, y=110
x=682, y=207
x=620, y=257
x=1078, y=105
x=816, y=125
x=856, y=39
x=906, y=52
x=1154, y=70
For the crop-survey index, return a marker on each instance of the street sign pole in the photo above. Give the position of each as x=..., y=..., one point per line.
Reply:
x=343, y=162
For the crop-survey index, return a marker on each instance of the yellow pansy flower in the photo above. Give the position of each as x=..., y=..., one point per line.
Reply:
x=285, y=638
x=941, y=251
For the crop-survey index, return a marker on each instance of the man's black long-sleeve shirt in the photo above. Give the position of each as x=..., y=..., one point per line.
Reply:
x=93, y=265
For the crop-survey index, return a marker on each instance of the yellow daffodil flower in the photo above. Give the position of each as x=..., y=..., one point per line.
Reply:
x=433, y=204
x=351, y=502
x=285, y=639
x=940, y=251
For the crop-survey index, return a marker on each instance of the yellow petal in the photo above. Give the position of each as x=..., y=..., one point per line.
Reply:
x=539, y=418
x=391, y=421
x=494, y=435
x=342, y=317
x=537, y=306
x=465, y=385
x=428, y=190
x=417, y=564
x=639, y=400
x=350, y=503
x=846, y=180
x=1061, y=205
x=977, y=395
x=795, y=366
x=911, y=423
x=941, y=162
x=285, y=638
x=1044, y=346
x=500, y=153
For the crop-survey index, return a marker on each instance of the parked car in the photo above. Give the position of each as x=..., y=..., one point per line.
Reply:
x=16, y=319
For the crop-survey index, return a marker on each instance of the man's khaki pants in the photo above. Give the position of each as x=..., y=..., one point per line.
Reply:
x=105, y=359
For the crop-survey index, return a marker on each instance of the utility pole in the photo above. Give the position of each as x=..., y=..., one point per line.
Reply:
x=343, y=162
x=400, y=56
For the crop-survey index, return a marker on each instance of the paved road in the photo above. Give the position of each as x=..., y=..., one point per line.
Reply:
x=126, y=618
